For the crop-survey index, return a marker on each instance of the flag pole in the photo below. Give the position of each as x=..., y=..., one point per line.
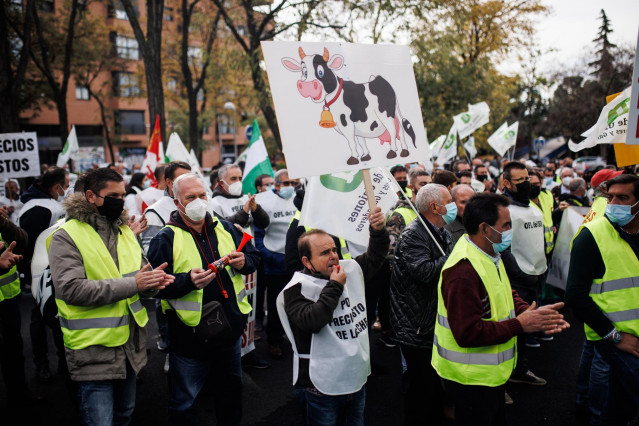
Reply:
x=368, y=185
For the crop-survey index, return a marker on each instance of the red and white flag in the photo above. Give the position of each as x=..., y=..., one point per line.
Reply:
x=153, y=154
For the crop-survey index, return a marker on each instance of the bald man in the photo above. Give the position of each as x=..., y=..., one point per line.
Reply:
x=461, y=194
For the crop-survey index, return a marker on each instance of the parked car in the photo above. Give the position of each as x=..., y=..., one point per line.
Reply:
x=582, y=164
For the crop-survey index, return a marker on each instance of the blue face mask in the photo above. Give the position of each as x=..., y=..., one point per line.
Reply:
x=621, y=215
x=548, y=181
x=506, y=239
x=451, y=212
x=287, y=192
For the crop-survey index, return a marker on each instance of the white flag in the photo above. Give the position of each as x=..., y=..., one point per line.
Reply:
x=70, y=149
x=611, y=125
x=176, y=151
x=504, y=138
x=470, y=147
x=471, y=120
x=449, y=147
x=337, y=203
x=436, y=146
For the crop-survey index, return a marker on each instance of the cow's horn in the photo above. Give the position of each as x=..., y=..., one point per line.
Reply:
x=325, y=55
x=302, y=54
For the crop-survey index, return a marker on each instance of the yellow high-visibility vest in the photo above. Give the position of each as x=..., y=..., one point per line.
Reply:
x=106, y=325
x=617, y=292
x=481, y=366
x=546, y=203
x=10, y=281
x=186, y=257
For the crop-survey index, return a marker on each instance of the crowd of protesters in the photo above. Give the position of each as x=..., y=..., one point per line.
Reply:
x=454, y=275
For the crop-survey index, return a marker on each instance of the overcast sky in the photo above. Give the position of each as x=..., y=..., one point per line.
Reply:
x=573, y=24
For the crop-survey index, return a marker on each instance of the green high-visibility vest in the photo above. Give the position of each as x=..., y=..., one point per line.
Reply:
x=481, y=366
x=10, y=281
x=105, y=325
x=408, y=214
x=186, y=257
x=546, y=203
x=617, y=292
x=346, y=254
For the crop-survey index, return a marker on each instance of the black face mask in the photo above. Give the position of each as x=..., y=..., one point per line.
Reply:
x=111, y=208
x=402, y=184
x=535, y=190
x=523, y=192
x=482, y=178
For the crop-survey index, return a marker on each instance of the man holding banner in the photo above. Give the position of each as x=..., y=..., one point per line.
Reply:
x=602, y=291
x=323, y=311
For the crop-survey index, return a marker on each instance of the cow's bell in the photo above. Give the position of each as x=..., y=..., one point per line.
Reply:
x=326, y=120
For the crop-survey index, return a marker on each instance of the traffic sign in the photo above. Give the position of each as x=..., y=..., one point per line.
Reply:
x=249, y=132
x=539, y=143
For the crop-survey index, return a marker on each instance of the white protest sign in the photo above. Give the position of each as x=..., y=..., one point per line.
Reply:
x=248, y=335
x=611, y=124
x=632, y=135
x=19, y=156
x=571, y=220
x=471, y=120
x=343, y=107
x=343, y=195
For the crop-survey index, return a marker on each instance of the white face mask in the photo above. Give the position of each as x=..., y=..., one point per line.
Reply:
x=566, y=181
x=60, y=198
x=196, y=209
x=235, y=188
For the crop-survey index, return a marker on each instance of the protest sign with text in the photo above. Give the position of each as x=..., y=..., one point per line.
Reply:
x=343, y=194
x=632, y=137
x=19, y=156
x=343, y=107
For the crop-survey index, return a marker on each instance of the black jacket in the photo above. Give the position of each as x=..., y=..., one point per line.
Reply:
x=414, y=278
x=181, y=336
x=307, y=317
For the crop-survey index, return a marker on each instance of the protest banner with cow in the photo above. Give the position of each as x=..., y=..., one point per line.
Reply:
x=343, y=107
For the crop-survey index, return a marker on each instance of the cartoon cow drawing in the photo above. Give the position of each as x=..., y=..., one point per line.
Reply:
x=361, y=110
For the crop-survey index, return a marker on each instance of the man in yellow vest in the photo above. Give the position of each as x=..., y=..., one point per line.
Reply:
x=13, y=242
x=98, y=272
x=206, y=309
x=603, y=292
x=479, y=316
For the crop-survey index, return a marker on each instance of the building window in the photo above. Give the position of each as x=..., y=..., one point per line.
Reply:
x=125, y=84
x=82, y=93
x=46, y=5
x=224, y=124
x=130, y=123
x=168, y=14
x=127, y=47
x=172, y=85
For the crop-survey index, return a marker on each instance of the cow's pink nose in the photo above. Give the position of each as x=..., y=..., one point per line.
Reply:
x=315, y=84
x=299, y=85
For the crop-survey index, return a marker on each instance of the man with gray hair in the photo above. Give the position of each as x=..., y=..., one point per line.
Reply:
x=460, y=194
x=229, y=202
x=420, y=254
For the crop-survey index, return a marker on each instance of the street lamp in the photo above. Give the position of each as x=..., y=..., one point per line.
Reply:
x=231, y=106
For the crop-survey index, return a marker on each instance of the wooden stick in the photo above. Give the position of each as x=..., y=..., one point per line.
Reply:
x=368, y=185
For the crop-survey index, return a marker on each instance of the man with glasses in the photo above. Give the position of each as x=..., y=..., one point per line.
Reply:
x=525, y=260
x=271, y=242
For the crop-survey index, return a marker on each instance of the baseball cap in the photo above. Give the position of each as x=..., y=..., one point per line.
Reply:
x=602, y=176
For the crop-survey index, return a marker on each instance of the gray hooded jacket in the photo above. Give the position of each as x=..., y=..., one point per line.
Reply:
x=72, y=286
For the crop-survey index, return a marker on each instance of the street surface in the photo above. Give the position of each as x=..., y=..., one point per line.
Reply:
x=269, y=399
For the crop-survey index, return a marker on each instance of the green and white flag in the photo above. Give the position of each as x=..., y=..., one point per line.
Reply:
x=471, y=120
x=449, y=147
x=469, y=146
x=70, y=149
x=257, y=161
x=504, y=138
x=611, y=125
x=436, y=146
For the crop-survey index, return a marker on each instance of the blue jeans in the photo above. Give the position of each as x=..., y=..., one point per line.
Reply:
x=107, y=402
x=187, y=376
x=623, y=388
x=592, y=380
x=332, y=410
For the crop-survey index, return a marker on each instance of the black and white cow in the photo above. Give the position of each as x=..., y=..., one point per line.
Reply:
x=361, y=110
